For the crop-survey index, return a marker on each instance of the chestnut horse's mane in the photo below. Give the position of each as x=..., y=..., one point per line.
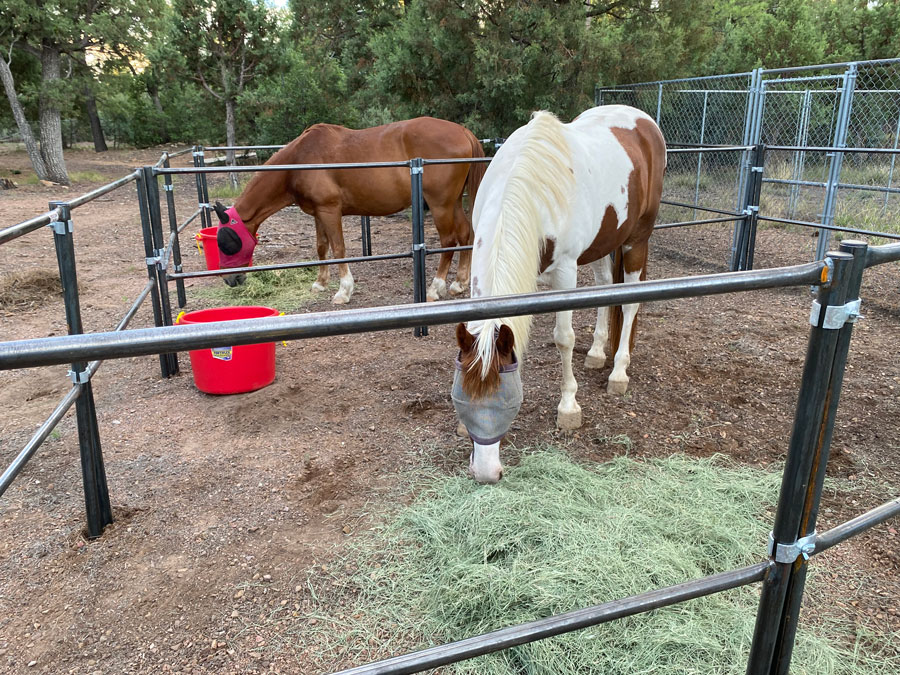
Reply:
x=540, y=182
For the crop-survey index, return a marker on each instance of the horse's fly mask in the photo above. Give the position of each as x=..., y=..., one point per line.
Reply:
x=488, y=419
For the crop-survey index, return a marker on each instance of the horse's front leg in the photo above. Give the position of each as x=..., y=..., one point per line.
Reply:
x=568, y=413
x=324, y=272
x=331, y=224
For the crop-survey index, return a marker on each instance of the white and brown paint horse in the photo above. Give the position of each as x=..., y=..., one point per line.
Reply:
x=329, y=194
x=557, y=196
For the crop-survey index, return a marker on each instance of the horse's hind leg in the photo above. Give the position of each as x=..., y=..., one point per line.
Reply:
x=596, y=356
x=568, y=412
x=321, y=282
x=465, y=237
x=635, y=261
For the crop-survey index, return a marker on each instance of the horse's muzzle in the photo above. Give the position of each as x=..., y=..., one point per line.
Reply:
x=235, y=280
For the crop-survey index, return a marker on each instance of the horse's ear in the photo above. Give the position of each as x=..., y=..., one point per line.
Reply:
x=464, y=338
x=220, y=211
x=505, y=340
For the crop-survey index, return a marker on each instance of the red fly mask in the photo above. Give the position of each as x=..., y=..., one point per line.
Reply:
x=235, y=243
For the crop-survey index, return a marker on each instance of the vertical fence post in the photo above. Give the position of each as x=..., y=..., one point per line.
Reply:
x=700, y=154
x=659, y=104
x=202, y=195
x=785, y=645
x=890, y=180
x=848, y=86
x=747, y=241
x=807, y=452
x=151, y=185
x=93, y=473
x=151, y=257
x=416, y=168
x=802, y=139
x=365, y=225
x=173, y=228
x=752, y=135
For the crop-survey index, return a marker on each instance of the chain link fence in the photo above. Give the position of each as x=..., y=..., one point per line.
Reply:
x=794, y=110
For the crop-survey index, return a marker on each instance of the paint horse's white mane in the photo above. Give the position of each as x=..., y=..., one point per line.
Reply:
x=540, y=185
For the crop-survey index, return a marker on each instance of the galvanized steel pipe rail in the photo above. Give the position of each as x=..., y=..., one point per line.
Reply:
x=145, y=341
x=540, y=629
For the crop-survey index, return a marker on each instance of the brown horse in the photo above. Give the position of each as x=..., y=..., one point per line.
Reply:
x=329, y=194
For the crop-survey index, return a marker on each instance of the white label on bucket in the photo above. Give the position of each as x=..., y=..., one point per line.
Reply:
x=221, y=353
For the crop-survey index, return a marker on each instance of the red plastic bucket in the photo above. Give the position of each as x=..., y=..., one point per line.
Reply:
x=237, y=369
x=206, y=242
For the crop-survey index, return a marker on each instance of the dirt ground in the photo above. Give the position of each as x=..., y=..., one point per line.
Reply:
x=223, y=504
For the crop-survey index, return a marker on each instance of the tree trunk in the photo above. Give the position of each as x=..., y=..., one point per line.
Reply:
x=90, y=106
x=229, y=138
x=51, y=124
x=153, y=91
x=31, y=146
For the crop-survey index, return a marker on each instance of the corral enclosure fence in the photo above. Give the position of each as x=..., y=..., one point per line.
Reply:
x=843, y=105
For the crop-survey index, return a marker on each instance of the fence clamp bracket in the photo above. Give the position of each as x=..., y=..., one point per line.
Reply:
x=416, y=170
x=418, y=247
x=168, y=187
x=757, y=169
x=788, y=553
x=61, y=226
x=203, y=205
x=835, y=315
x=81, y=377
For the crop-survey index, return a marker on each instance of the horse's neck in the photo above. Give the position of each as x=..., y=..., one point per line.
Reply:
x=265, y=194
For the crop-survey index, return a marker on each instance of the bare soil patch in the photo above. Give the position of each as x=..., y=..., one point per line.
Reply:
x=223, y=505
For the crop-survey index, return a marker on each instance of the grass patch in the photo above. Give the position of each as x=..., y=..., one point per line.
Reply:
x=552, y=537
x=224, y=189
x=87, y=177
x=285, y=290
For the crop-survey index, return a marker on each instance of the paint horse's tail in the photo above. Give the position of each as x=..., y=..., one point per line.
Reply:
x=476, y=171
x=616, y=317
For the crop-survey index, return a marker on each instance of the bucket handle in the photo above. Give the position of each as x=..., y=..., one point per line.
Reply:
x=199, y=246
x=178, y=318
x=283, y=342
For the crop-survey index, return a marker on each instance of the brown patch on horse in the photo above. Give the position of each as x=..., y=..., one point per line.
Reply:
x=473, y=385
x=547, y=251
x=601, y=246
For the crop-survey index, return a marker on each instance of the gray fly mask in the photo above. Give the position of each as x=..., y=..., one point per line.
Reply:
x=488, y=419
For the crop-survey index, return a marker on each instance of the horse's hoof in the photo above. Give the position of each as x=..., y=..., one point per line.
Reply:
x=340, y=299
x=456, y=288
x=568, y=421
x=430, y=297
x=317, y=287
x=617, y=387
x=461, y=430
x=594, y=362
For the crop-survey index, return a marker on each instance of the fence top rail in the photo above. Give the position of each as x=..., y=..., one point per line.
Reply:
x=702, y=78
x=100, y=191
x=141, y=342
x=225, y=148
x=823, y=66
x=819, y=148
x=687, y=148
x=765, y=71
x=30, y=225
x=279, y=167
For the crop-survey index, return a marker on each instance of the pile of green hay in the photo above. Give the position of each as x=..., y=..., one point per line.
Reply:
x=285, y=290
x=553, y=536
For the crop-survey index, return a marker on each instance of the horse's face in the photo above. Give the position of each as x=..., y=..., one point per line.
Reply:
x=486, y=406
x=235, y=243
